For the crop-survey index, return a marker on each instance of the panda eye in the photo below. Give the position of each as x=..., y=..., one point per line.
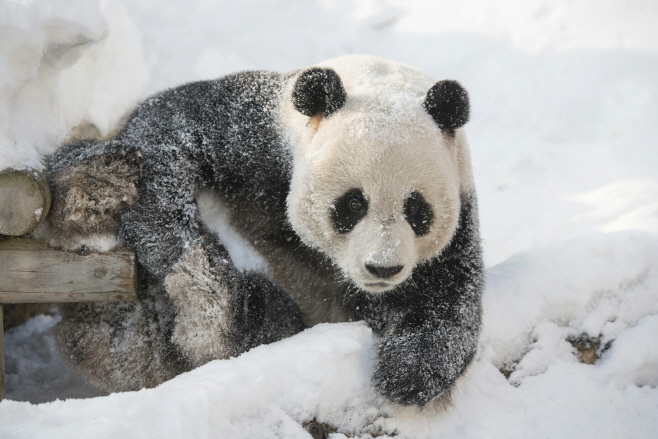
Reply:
x=418, y=213
x=108, y=159
x=356, y=206
x=412, y=207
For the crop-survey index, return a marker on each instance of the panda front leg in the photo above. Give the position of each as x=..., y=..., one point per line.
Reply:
x=430, y=329
x=423, y=355
x=222, y=311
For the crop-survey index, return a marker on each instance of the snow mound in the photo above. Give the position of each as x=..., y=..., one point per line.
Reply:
x=63, y=65
x=553, y=295
x=266, y=392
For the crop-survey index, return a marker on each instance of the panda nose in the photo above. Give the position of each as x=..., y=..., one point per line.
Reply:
x=384, y=272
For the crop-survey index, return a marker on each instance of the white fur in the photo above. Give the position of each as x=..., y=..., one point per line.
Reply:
x=217, y=218
x=101, y=242
x=383, y=142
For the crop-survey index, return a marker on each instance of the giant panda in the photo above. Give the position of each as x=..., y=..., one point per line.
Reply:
x=351, y=179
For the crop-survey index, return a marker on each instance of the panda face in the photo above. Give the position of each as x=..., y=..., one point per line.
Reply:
x=377, y=195
x=379, y=164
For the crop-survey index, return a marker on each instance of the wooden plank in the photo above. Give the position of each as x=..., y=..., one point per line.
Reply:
x=32, y=272
x=24, y=201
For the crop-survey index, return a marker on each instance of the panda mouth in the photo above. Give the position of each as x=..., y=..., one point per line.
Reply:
x=379, y=287
x=377, y=284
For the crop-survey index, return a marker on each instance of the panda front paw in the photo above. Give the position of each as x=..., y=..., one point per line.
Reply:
x=406, y=373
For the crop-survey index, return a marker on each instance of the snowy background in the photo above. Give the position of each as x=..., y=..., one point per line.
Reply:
x=564, y=98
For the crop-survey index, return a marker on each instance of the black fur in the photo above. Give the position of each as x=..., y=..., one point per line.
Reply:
x=224, y=135
x=421, y=219
x=215, y=134
x=447, y=102
x=344, y=213
x=318, y=91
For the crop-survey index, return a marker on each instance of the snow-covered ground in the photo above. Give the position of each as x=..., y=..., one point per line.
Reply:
x=563, y=135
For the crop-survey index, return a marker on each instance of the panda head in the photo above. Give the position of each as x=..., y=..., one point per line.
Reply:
x=379, y=165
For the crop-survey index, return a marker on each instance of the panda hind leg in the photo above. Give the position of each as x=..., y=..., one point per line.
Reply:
x=222, y=311
x=120, y=346
x=92, y=184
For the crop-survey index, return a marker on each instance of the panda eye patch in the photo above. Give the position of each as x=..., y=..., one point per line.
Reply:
x=418, y=214
x=348, y=210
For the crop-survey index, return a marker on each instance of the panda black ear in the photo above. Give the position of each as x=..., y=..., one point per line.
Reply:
x=318, y=91
x=447, y=103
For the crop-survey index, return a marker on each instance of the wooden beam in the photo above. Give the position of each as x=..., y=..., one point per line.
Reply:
x=32, y=272
x=24, y=201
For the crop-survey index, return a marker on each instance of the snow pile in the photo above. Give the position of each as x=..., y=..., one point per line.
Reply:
x=553, y=297
x=264, y=393
x=563, y=130
x=63, y=65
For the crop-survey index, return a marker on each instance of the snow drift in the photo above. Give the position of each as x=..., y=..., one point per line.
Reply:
x=63, y=65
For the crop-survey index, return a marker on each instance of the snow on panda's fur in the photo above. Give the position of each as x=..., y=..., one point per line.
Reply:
x=352, y=179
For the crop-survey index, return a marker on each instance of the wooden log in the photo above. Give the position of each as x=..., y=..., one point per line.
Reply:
x=24, y=201
x=32, y=272
x=2, y=358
